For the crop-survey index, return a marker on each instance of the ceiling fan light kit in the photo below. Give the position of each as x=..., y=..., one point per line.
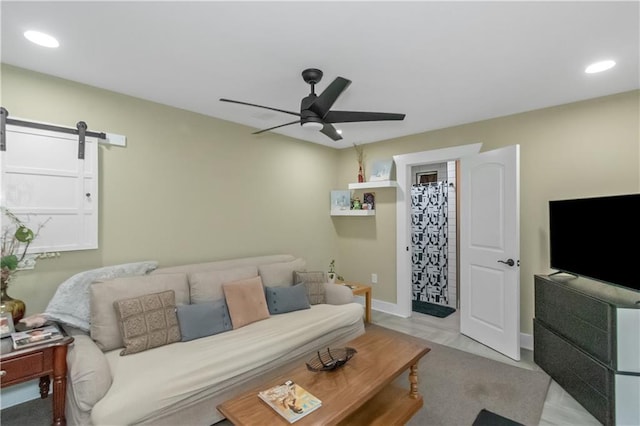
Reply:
x=312, y=125
x=315, y=111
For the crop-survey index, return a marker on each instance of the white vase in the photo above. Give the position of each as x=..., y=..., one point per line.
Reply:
x=332, y=278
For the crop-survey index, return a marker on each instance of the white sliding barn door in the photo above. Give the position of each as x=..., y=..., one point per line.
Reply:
x=43, y=180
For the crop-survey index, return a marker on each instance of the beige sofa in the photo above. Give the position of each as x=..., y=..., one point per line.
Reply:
x=182, y=383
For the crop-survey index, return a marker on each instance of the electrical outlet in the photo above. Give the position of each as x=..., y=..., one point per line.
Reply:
x=374, y=278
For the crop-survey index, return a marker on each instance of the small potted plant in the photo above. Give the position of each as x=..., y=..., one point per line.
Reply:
x=332, y=271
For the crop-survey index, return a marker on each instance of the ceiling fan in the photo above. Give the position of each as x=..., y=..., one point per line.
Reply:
x=315, y=111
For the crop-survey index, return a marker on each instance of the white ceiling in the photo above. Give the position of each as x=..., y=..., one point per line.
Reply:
x=440, y=63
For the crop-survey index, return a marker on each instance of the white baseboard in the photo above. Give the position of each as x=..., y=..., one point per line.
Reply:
x=20, y=393
x=386, y=307
x=526, y=341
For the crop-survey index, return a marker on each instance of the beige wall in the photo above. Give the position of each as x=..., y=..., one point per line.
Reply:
x=186, y=188
x=192, y=188
x=582, y=149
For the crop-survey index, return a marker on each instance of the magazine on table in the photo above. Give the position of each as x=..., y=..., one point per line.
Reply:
x=36, y=336
x=290, y=400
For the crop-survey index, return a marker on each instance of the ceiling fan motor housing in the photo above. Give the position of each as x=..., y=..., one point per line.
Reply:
x=306, y=114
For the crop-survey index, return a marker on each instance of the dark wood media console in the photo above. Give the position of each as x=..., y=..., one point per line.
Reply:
x=587, y=338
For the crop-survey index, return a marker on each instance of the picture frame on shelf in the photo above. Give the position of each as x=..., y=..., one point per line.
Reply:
x=381, y=170
x=340, y=200
x=6, y=324
x=369, y=200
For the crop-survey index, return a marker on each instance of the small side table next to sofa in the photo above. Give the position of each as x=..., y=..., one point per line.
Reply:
x=38, y=362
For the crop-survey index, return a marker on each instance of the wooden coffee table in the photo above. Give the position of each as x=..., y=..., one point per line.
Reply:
x=360, y=392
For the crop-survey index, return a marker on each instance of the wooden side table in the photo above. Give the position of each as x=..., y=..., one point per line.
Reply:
x=42, y=361
x=362, y=290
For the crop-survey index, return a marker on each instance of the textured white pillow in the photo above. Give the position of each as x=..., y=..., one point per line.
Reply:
x=71, y=302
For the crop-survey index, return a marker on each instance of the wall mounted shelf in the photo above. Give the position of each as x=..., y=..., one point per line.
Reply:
x=374, y=184
x=353, y=212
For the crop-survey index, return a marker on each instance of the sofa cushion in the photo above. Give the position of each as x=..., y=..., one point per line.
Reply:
x=314, y=282
x=71, y=303
x=203, y=319
x=250, y=352
x=281, y=273
x=104, y=324
x=246, y=301
x=147, y=321
x=206, y=286
x=281, y=300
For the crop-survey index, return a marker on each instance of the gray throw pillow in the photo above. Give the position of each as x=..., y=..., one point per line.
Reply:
x=286, y=299
x=314, y=281
x=203, y=319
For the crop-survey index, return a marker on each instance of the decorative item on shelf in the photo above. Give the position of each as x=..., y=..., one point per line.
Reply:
x=14, y=243
x=360, y=157
x=340, y=200
x=369, y=200
x=356, y=204
x=330, y=359
x=381, y=170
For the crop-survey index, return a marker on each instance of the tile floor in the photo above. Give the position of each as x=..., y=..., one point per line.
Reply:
x=559, y=407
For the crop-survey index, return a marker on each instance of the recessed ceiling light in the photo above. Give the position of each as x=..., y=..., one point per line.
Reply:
x=599, y=66
x=41, y=39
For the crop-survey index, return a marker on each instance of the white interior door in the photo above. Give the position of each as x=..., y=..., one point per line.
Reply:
x=490, y=249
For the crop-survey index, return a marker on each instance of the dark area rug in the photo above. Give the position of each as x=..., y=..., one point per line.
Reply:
x=488, y=418
x=431, y=309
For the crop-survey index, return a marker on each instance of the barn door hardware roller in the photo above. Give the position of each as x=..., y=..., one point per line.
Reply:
x=80, y=130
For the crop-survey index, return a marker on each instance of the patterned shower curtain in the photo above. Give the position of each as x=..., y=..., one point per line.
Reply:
x=429, y=242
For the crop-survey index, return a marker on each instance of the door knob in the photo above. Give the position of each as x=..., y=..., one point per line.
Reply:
x=509, y=262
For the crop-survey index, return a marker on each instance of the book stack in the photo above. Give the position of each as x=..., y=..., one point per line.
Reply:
x=36, y=336
x=290, y=400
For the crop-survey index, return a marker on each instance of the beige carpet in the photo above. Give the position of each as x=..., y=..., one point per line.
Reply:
x=456, y=385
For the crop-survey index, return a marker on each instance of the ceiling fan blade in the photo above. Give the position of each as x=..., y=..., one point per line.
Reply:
x=355, y=116
x=259, y=106
x=323, y=103
x=274, y=127
x=330, y=131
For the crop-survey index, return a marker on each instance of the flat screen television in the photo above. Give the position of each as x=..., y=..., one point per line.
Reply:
x=597, y=238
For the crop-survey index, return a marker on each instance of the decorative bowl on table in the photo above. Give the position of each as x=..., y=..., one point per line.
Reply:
x=330, y=359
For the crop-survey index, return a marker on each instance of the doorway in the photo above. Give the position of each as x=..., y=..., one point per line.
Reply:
x=405, y=180
x=433, y=239
x=489, y=233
